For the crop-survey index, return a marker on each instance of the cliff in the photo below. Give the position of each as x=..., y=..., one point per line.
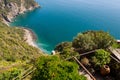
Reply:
x=11, y=8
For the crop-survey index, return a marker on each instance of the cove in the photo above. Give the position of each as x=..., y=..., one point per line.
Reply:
x=60, y=20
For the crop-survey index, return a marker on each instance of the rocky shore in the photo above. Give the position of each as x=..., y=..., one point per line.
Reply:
x=15, y=9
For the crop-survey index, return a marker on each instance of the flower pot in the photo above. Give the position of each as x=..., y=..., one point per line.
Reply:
x=105, y=70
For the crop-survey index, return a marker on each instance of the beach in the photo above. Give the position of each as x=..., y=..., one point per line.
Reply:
x=29, y=37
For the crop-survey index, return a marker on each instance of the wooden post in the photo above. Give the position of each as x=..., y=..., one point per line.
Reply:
x=84, y=68
x=115, y=59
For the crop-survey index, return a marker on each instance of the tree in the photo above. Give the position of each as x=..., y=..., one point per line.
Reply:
x=102, y=39
x=52, y=68
x=101, y=58
x=62, y=46
x=83, y=42
x=65, y=50
x=92, y=40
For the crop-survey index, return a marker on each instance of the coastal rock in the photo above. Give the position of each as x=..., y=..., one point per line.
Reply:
x=13, y=8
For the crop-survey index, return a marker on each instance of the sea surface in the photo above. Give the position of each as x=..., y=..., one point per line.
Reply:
x=60, y=20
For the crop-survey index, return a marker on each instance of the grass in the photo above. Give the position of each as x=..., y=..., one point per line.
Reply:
x=15, y=54
x=13, y=46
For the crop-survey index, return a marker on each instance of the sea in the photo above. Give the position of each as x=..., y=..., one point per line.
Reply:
x=57, y=21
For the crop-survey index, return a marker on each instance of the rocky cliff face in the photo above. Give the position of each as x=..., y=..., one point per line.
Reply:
x=11, y=8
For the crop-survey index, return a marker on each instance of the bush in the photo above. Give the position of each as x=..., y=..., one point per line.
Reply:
x=52, y=68
x=101, y=58
x=9, y=75
x=91, y=40
x=65, y=50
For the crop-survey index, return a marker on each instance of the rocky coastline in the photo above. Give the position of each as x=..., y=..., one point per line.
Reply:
x=15, y=9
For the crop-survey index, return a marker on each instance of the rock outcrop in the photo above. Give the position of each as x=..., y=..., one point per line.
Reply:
x=11, y=8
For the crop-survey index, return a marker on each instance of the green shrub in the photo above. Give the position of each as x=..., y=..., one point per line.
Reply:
x=52, y=68
x=91, y=40
x=101, y=58
x=9, y=75
x=65, y=50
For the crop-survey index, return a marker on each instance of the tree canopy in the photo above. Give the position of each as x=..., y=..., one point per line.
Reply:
x=52, y=68
x=65, y=50
x=91, y=40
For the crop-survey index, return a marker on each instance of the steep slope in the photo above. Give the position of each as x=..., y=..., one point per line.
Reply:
x=13, y=46
x=16, y=55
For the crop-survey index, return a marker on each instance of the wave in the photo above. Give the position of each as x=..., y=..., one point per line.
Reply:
x=43, y=47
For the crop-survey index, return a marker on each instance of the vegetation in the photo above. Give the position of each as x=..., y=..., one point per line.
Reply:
x=9, y=75
x=52, y=68
x=88, y=41
x=11, y=70
x=65, y=50
x=12, y=45
x=101, y=58
x=116, y=45
x=91, y=40
x=13, y=48
x=15, y=54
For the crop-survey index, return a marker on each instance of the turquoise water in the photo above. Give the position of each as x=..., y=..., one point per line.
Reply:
x=61, y=20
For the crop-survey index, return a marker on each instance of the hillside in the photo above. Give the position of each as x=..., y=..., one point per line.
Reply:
x=12, y=43
x=15, y=54
x=12, y=39
x=86, y=57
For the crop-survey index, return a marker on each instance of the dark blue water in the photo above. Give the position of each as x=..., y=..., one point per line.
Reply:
x=61, y=20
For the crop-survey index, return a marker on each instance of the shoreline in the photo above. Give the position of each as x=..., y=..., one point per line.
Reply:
x=30, y=37
x=8, y=18
x=23, y=12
